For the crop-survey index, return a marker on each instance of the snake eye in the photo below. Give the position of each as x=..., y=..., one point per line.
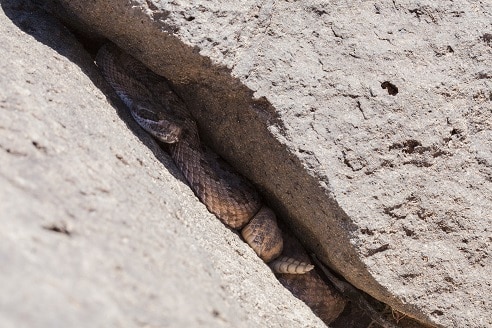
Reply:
x=163, y=129
x=167, y=131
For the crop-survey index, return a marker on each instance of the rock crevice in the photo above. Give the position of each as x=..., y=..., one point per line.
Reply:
x=365, y=126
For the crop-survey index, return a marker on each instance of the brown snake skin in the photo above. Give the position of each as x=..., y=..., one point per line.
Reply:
x=229, y=196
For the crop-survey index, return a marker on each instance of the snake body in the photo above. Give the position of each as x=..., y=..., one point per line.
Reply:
x=229, y=196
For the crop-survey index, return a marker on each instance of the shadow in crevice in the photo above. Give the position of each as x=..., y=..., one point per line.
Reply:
x=34, y=18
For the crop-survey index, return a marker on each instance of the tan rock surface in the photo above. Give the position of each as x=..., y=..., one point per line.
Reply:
x=366, y=125
x=97, y=227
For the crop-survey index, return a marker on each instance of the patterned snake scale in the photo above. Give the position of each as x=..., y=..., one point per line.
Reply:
x=233, y=199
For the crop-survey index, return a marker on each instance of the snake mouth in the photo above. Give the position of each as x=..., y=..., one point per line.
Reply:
x=164, y=130
x=170, y=133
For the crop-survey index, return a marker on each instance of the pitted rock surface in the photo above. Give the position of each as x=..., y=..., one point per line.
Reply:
x=378, y=116
x=94, y=232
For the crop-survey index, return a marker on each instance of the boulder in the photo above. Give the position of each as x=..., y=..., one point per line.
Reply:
x=365, y=125
x=97, y=226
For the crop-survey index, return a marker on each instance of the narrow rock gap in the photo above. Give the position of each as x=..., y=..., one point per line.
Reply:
x=369, y=313
x=351, y=317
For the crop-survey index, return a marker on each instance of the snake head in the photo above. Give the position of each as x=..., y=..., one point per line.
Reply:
x=162, y=128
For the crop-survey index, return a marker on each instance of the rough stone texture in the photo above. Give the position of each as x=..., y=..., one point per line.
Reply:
x=392, y=187
x=97, y=227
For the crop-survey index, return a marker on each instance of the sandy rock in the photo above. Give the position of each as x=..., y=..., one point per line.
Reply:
x=367, y=127
x=97, y=227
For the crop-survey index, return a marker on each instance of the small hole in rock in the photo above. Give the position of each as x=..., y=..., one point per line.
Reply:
x=59, y=227
x=392, y=89
x=487, y=37
x=437, y=312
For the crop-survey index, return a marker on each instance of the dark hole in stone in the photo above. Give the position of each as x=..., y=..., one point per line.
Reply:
x=59, y=227
x=190, y=18
x=484, y=75
x=39, y=147
x=449, y=279
x=416, y=11
x=392, y=89
x=437, y=312
x=487, y=37
x=410, y=146
x=408, y=232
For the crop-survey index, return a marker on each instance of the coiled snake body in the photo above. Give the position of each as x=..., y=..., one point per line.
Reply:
x=229, y=196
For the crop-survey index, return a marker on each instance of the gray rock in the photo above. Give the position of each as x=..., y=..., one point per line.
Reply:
x=97, y=226
x=367, y=126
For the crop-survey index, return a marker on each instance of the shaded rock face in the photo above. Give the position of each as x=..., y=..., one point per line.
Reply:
x=367, y=126
x=97, y=227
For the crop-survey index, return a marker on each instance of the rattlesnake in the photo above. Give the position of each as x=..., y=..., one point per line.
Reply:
x=233, y=199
